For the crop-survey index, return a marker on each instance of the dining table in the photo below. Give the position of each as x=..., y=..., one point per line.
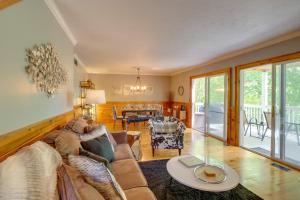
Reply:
x=152, y=111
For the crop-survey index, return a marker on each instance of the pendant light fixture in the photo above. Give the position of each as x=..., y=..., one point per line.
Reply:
x=138, y=87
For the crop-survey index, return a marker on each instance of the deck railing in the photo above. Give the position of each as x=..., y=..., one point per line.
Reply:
x=256, y=111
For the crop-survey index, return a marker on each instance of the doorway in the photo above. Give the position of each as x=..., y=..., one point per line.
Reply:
x=209, y=100
x=269, y=110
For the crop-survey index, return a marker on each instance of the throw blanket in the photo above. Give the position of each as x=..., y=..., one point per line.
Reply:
x=30, y=173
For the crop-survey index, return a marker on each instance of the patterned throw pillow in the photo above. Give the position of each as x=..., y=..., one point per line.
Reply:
x=98, y=176
x=78, y=126
x=93, y=156
x=30, y=173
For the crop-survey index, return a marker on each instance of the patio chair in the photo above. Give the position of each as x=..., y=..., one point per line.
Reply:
x=268, y=119
x=249, y=123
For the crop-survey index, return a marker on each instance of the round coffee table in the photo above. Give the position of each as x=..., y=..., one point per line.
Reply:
x=185, y=176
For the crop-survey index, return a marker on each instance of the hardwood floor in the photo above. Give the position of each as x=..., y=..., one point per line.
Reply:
x=256, y=172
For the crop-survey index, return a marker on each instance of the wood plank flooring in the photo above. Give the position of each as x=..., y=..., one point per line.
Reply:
x=256, y=172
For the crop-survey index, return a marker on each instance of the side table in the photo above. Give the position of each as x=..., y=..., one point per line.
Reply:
x=134, y=141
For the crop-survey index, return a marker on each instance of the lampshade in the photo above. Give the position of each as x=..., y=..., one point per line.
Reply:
x=95, y=97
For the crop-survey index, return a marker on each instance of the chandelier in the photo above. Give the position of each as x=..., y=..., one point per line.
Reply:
x=138, y=87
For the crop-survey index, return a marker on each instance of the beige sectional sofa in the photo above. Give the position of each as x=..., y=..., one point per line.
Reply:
x=124, y=168
x=127, y=171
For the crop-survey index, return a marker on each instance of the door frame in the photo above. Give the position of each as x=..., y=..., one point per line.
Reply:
x=227, y=71
x=237, y=70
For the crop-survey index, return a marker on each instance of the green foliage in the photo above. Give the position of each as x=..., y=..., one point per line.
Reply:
x=252, y=91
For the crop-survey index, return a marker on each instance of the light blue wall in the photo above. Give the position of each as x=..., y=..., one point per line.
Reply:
x=23, y=25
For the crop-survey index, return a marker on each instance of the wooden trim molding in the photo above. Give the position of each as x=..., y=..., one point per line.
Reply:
x=227, y=71
x=282, y=58
x=12, y=141
x=6, y=3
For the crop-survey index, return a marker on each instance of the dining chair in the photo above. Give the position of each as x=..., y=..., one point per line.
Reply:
x=117, y=117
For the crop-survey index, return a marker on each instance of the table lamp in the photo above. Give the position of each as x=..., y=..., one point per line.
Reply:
x=94, y=97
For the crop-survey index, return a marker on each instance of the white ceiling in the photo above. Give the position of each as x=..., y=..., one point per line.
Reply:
x=166, y=36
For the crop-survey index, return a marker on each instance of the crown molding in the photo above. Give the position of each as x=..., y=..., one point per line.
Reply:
x=242, y=51
x=54, y=10
x=79, y=61
x=129, y=74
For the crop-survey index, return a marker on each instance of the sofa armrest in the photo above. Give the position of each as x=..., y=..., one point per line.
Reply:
x=120, y=137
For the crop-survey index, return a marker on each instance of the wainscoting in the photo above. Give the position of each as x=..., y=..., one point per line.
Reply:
x=104, y=112
x=187, y=105
x=12, y=141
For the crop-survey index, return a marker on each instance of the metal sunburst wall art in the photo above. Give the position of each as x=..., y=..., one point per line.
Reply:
x=44, y=68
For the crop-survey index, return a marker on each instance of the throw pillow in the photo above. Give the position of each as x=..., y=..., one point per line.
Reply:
x=79, y=126
x=67, y=143
x=98, y=176
x=98, y=158
x=100, y=146
x=98, y=131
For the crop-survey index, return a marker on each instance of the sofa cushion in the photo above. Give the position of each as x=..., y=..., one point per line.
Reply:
x=128, y=174
x=100, y=146
x=65, y=185
x=97, y=175
x=139, y=193
x=85, y=191
x=123, y=151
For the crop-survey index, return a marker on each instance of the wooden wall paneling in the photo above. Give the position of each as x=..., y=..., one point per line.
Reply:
x=187, y=105
x=104, y=111
x=6, y=3
x=14, y=140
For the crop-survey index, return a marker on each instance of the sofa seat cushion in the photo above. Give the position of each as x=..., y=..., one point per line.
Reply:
x=128, y=174
x=123, y=151
x=139, y=193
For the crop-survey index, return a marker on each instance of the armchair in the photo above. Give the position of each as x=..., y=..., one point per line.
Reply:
x=166, y=134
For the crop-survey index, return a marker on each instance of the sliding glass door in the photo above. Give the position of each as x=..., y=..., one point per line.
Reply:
x=287, y=112
x=209, y=105
x=270, y=110
x=216, y=106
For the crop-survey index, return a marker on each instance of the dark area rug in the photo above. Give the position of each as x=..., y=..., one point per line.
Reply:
x=159, y=182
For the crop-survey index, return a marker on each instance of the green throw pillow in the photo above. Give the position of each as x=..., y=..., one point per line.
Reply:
x=100, y=146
